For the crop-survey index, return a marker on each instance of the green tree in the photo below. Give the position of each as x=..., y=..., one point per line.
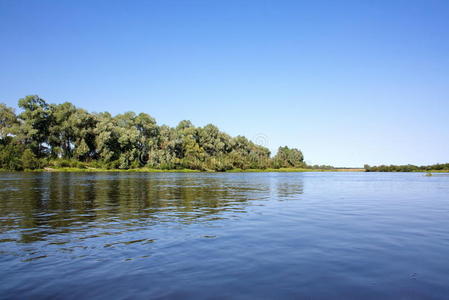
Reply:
x=29, y=160
x=62, y=130
x=107, y=144
x=8, y=120
x=34, y=129
x=84, y=132
x=288, y=158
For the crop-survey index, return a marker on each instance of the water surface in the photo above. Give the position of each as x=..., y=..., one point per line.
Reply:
x=221, y=236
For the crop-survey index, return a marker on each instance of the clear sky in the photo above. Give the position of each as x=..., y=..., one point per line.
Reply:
x=347, y=82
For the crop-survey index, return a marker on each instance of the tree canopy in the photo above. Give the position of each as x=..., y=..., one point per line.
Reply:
x=45, y=134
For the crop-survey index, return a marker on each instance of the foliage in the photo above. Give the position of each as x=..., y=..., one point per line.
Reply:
x=29, y=160
x=64, y=136
x=406, y=168
x=288, y=158
x=35, y=122
x=10, y=156
x=322, y=167
x=8, y=121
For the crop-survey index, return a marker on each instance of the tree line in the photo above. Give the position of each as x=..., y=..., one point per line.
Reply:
x=406, y=168
x=63, y=135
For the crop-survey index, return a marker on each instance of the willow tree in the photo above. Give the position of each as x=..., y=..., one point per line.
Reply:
x=125, y=138
x=106, y=138
x=35, y=122
x=288, y=158
x=8, y=120
x=62, y=129
x=84, y=132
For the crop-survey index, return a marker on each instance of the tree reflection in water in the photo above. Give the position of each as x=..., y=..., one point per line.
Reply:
x=37, y=205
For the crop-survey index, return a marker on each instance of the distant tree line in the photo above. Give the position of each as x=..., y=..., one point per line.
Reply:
x=321, y=167
x=406, y=168
x=63, y=135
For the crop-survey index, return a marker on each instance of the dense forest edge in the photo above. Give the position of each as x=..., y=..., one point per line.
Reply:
x=47, y=136
x=63, y=137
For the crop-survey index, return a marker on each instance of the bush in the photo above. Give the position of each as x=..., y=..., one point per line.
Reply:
x=115, y=164
x=10, y=157
x=81, y=165
x=62, y=163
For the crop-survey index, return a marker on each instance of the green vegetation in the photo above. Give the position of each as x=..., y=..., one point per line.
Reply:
x=307, y=169
x=94, y=170
x=66, y=138
x=408, y=168
x=150, y=170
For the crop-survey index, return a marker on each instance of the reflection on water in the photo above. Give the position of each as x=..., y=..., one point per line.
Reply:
x=248, y=235
x=35, y=206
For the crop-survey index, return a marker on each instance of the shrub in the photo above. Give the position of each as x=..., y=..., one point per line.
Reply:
x=10, y=157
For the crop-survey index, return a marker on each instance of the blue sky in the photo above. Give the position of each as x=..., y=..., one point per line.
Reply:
x=347, y=82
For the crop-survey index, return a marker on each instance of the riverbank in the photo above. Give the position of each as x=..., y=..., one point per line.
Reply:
x=148, y=170
x=294, y=170
x=269, y=170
